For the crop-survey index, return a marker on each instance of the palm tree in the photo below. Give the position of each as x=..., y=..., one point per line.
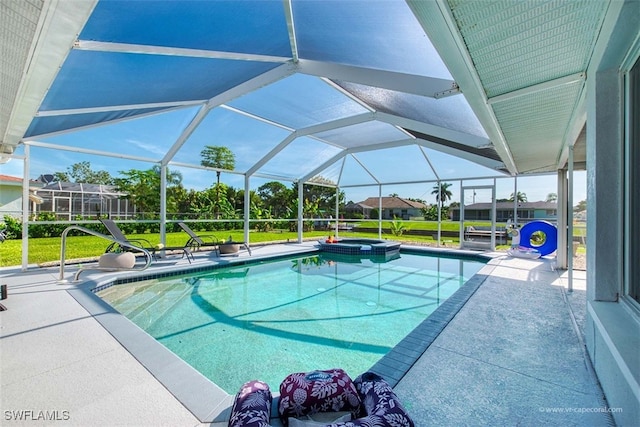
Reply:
x=441, y=190
x=220, y=158
x=520, y=197
x=174, y=178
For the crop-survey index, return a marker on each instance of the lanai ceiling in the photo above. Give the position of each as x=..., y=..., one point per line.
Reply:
x=301, y=89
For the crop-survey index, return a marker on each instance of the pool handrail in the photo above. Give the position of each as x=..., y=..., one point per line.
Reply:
x=63, y=247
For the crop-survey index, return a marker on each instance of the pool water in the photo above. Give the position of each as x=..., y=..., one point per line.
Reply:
x=266, y=320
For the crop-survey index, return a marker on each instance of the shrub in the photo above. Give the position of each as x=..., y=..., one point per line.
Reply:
x=46, y=230
x=13, y=228
x=397, y=227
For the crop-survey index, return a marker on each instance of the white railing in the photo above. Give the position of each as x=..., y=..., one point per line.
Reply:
x=63, y=247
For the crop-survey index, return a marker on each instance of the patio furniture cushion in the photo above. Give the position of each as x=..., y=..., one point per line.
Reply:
x=320, y=419
x=305, y=393
x=380, y=404
x=252, y=405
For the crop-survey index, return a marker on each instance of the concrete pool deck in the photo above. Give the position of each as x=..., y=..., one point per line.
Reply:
x=513, y=355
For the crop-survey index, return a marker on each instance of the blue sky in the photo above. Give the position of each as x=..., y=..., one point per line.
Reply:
x=50, y=161
x=152, y=136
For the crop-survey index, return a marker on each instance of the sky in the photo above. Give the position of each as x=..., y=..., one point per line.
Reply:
x=47, y=161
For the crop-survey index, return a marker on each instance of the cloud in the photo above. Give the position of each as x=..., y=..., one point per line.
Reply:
x=147, y=147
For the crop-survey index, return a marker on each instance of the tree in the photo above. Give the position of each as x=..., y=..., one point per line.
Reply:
x=174, y=178
x=581, y=206
x=276, y=197
x=143, y=188
x=218, y=157
x=82, y=173
x=520, y=197
x=552, y=197
x=414, y=199
x=324, y=195
x=442, y=193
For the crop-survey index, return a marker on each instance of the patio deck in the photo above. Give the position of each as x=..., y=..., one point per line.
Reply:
x=513, y=355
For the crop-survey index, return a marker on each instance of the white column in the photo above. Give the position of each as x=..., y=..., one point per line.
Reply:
x=25, y=207
x=570, y=219
x=163, y=204
x=439, y=215
x=300, y=203
x=247, y=208
x=561, y=253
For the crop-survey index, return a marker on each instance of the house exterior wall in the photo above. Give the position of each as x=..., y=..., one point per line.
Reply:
x=545, y=214
x=400, y=213
x=612, y=331
x=10, y=199
x=391, y=207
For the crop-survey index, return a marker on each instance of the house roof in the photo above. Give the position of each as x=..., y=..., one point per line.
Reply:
x=501, y=84
x=391, y=203
x=14, y=180
x=8, y=178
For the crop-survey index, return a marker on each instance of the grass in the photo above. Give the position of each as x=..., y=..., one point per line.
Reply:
x=44, y=250
x=47, y=249
x=426, y=225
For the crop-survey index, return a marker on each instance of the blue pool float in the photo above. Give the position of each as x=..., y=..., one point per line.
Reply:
x=551, y=242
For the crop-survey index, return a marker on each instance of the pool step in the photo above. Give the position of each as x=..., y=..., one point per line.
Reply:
x=140, y=304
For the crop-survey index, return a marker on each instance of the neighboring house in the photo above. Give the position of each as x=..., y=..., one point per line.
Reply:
x=391, y=207
x=527, y=211
x=11, y=196
x=69, y=200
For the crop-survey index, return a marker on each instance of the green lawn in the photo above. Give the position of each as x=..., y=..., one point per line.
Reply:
x=44, y=250
x=48, y=249
x=426, y=225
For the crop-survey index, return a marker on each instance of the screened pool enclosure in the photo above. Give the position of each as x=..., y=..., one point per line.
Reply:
x=359, y=94
x=350, y=93
x=70, y=200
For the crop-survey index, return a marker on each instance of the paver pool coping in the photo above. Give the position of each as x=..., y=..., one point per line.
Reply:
x=211, y=403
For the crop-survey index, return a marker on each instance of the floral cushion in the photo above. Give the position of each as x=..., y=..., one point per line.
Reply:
x=320, y=419
x=380, y=404
x=306, y=393
x=252, y=406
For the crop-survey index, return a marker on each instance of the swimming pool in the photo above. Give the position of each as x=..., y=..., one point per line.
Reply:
x=266, y=320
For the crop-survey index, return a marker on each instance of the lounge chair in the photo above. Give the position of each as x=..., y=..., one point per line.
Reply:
x=196, y=241
x=222, y=247
x=117, y=234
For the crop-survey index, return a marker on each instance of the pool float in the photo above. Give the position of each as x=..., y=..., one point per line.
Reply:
x=523, y=252
x=550, y=231
x=520, y=251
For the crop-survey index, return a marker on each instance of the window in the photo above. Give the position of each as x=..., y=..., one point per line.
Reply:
x=632, y=180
